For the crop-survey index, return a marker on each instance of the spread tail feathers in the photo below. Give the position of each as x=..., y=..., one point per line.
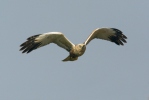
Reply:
x=70, y=58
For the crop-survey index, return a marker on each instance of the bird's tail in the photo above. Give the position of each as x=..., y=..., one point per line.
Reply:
x=69, y=58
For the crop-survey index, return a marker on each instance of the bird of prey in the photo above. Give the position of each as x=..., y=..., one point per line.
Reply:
x=37, y=41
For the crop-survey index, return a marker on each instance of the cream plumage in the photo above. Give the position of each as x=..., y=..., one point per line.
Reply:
x=36, y=41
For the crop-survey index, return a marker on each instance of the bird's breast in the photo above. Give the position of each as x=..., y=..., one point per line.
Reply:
x=77, y=51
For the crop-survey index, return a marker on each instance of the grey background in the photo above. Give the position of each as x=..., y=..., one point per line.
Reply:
x=105, y=72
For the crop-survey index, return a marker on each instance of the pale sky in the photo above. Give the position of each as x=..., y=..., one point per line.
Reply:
x=105, y=72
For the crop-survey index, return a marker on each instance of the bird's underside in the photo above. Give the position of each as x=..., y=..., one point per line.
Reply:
x=37, y=41
x=69, y=58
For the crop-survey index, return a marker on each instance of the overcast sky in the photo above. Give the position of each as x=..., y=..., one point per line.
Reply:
x=105, y=72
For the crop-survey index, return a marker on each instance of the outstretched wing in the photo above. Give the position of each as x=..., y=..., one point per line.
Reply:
x=40, y=40
x=110, y=34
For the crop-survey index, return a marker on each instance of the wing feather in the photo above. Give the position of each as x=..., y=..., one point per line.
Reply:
x=40, y=40
x=109, y=34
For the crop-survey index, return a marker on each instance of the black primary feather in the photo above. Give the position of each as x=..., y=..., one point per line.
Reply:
x=118, y=38
x=30, y=44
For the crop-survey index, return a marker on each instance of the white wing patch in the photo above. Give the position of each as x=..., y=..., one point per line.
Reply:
x=110, y=34
x=40, y=40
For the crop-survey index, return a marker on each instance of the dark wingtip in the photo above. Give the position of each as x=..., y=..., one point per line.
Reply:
x=22, y=44
x=118, y=38
x=124, y=36
x=29, y=45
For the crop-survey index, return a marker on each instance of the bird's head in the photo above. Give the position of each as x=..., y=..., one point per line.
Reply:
x=81, y=46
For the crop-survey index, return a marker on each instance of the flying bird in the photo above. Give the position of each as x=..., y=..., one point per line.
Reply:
x=110, y=34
